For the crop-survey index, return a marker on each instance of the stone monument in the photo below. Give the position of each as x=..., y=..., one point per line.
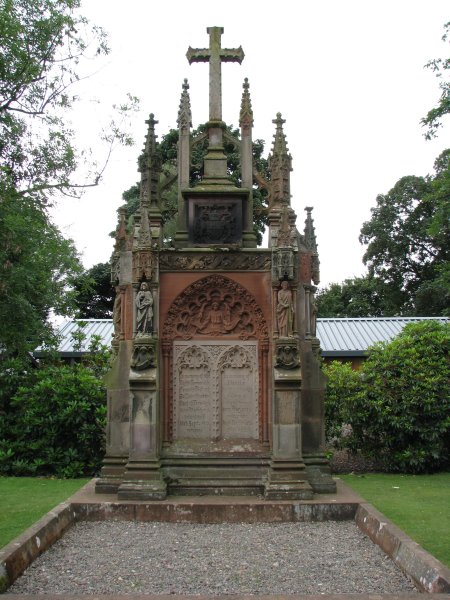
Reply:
x=215, y=385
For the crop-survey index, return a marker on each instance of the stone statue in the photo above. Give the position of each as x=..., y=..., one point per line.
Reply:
x=285, y=310
x=144, y=311
x=215, y=320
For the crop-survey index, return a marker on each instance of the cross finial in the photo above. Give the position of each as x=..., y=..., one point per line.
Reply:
x=215, y=55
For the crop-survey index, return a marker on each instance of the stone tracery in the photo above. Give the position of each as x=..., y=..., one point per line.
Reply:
x=215, y=306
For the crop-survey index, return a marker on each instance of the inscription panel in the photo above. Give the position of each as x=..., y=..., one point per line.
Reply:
x=215, y=390
x=214, y=222
x=194, y=414
x=239, y=409
x=286, y=407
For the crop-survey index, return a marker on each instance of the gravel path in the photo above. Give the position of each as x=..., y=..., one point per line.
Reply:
x=167, y=558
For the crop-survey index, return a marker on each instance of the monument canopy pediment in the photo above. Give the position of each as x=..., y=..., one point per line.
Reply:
x=213, y=307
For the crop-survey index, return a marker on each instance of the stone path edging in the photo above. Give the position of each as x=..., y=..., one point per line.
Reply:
x=427, y=572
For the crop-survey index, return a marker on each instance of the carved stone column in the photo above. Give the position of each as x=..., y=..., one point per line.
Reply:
x=287, y=476
x=143, y=478
x=116, y=381
x=118, y=421
x=313, y=421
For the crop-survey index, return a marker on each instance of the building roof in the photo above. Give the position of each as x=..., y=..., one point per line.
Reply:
x=352, y=337
x=338, y=336
x=103, y=328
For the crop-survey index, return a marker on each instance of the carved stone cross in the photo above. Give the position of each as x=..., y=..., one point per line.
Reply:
x=215, y=55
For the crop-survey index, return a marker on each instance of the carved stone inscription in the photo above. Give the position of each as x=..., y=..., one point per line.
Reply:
x=192, y=388
x=194, y=415
x=239, y=415
x=215, y=390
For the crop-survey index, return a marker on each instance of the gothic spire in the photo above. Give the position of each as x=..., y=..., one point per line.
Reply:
x=311, y=244
x=149, y=164
x=280, y=164
x=150, y=168
x=150, y=140
x=184, y=113
x=246, y=114
x=309, y=232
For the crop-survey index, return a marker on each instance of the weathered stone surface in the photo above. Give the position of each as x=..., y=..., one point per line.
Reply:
x=215, y=390
x=429, y=574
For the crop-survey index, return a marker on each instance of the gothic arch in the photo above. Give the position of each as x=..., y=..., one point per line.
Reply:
x=215, y=307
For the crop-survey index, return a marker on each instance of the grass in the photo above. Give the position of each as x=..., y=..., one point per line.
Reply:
x=418, y=504
x=24, y=500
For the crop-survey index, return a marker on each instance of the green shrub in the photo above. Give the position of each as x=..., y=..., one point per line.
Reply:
x=401, y=416
x=54, y=417
x=56, y=424
x=342, y=386
x=14, y=372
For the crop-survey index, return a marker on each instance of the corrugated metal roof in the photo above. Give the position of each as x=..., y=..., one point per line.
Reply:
x=338, y=337
x=352, y=337
x=92, y=327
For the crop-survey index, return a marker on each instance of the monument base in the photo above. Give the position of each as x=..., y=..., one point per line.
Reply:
x=208, y=468
x=143, y=481
x=318, y=473
x=111, y=474
x=287, y=481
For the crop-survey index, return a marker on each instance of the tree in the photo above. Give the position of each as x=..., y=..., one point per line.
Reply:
x=44, y=45
x=169, y=196
x=408, y=246
x=358, y=297
x=440, y=67
x=94, y=292
x=408, y=253
x=35, y=264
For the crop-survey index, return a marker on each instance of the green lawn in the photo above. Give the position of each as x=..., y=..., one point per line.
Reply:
x=418, y=504
x=24, y=500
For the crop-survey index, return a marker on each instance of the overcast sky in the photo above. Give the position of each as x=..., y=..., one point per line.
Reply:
x=347, y=75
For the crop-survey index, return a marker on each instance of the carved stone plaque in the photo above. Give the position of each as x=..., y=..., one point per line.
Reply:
x=194, y=418
x=286, y=407
x=213, y=222
x=215, y=390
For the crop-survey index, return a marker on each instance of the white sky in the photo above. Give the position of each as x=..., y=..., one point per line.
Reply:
x=347, y=75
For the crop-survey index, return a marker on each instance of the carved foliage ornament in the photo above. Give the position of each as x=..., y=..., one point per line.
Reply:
x=143, y=265
x=222, y=262
x=215, y=306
